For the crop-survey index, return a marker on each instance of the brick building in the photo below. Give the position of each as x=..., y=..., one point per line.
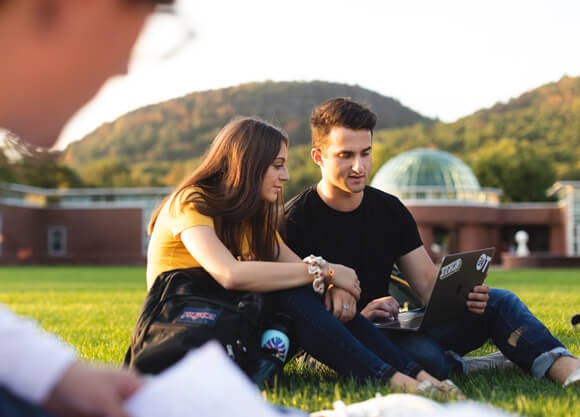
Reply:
x=77, y=226
x=108, y=226
x=454, y=213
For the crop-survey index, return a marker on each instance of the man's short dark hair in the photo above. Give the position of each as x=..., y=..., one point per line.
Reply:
x=342, y=112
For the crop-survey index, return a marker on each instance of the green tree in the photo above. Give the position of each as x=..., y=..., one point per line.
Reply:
x=303, y=171
x=515, y=167
x=6, y=174
x=43, y=173
x=381, y=154
x=108, y=173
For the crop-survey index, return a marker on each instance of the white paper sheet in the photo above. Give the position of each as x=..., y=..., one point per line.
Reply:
x=205, y=383
x=405, y=405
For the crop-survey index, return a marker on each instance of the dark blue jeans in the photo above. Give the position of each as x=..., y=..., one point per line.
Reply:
x=355, y=348
x=12, y=406
x=507, y=322
x=427, y=352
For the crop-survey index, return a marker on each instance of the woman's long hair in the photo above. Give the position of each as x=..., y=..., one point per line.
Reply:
x=228, y=186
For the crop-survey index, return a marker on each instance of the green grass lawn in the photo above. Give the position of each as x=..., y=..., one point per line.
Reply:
x=94, y=309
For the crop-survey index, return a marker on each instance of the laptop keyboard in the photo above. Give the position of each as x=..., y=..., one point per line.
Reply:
x=411, y=318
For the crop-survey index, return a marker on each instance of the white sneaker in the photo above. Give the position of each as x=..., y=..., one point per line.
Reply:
x=494, y=361
x=573, y=379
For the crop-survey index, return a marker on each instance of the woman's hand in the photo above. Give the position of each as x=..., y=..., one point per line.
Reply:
x=345, y=278
x=340, y=303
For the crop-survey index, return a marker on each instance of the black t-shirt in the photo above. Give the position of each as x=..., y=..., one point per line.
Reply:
x=368, y=239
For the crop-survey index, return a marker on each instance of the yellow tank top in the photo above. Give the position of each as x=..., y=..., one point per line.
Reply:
x=166, y=251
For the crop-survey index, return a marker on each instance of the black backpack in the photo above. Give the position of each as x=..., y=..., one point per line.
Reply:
x=186, y=308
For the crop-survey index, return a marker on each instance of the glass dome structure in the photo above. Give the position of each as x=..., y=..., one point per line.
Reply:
x=430, y=174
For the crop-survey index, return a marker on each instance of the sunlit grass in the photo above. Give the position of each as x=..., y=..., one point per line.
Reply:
x=94, y=309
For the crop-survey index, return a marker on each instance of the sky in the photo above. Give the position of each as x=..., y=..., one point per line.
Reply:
x=442, y=58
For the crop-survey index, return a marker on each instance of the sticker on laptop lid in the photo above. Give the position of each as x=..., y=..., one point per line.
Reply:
x=450, y=269
x=483, y=262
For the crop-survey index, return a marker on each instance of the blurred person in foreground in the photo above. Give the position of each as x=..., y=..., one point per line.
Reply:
x=56, y=54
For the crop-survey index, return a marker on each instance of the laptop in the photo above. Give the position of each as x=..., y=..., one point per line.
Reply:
x=457, y=275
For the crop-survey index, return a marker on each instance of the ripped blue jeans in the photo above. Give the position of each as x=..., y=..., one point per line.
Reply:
x=507, y=322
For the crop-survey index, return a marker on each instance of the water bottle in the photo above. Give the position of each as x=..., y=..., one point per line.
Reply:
x=275, y=340
x=275, y=344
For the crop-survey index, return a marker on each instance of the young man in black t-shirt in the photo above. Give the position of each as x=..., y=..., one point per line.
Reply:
x=346, y=221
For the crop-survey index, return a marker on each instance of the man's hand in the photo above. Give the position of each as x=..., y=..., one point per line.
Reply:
x=380, y=309
x=86, y=390
x=477, y=299
x=341, y=303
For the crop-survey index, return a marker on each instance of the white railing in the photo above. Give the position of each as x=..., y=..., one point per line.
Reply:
x=441, y=194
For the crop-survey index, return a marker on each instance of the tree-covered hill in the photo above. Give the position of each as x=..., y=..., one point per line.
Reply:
x=180, y=129
x=521, y=146
x=548, y=116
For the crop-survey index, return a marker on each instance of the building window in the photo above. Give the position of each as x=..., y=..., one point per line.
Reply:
x=56, y=240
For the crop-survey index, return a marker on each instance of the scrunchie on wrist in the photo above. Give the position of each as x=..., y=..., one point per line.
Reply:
x=315, y=264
